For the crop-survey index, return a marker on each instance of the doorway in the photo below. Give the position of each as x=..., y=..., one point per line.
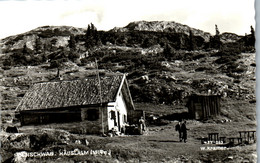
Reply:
x=118, y=120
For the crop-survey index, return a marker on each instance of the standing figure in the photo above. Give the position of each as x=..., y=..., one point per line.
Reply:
x=178, y=128
x=184, y=131
x=142, y=125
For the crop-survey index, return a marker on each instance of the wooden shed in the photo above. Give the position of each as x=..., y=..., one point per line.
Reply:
x=203, y=106
x=99, y=105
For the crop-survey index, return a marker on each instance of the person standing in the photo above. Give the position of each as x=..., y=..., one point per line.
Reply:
x=178, y=128
x=184, y=131
x=142, y=125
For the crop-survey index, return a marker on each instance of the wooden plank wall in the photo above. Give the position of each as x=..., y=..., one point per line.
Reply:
x=210, y=106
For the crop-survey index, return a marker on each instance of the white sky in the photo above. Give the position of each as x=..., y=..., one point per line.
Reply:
x=230, y=15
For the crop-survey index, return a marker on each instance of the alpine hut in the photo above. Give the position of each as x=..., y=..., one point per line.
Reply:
x=203, y=106
x=98, y=104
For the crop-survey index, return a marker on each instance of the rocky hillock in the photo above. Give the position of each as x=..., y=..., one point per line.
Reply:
x=229, y=37
x=163, y=26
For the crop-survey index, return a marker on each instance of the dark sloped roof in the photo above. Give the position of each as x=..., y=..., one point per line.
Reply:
x=70, y=93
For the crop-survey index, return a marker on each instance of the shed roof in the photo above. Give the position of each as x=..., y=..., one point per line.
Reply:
x=71, y=93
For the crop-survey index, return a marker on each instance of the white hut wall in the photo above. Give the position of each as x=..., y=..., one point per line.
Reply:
x=117, y=112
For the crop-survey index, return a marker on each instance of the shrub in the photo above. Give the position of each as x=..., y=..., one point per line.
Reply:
x=135, y=74
x=198, y=56
x=55, y=63
x=203, y=69
x=73, y=56
x=227, y=59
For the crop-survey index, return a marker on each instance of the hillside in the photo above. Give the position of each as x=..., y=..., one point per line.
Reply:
x=154, y=57
x=160, y=68
x=165, y=62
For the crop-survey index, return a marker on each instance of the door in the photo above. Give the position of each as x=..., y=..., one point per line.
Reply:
x=118, y=120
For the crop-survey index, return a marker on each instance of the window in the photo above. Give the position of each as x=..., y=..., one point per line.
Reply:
x=125, y=121
x=92, y=114
x=112, y=115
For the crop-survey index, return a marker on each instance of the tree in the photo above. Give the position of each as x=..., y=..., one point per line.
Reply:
x=25, y=49
x=91, y=36
x=191, y=41
x=168, y=51
x=148, y=42
x=55, y=63
x=94, y=31
x=252, y=37
x=252, y=30
x=53, y=43
x=38, y=47
x=215, y=41
x=72, y=43
x=217, y=31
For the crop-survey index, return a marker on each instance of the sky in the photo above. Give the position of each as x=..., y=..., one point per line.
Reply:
x=234, y=16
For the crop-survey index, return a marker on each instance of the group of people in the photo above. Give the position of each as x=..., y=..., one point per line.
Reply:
x=182, y=129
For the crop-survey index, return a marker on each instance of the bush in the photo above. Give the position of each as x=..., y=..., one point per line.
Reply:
x=227, y=56
x=8, y=62
x=73, y=56
x=203, y=69
x=198, y=56
x=6, y=67
x=227, y=59
x=135, y=74
x=55, y=64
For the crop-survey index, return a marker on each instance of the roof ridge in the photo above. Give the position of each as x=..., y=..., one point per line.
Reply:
x=87, y=77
